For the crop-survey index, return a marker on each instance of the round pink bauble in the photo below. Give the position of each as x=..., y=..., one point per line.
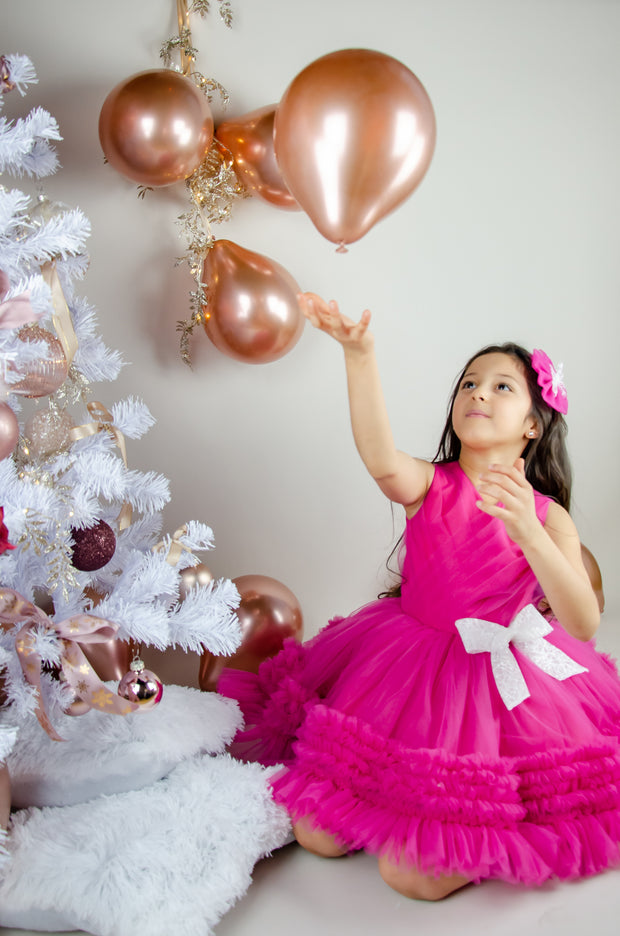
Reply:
x=9, y=430
x=141, y=686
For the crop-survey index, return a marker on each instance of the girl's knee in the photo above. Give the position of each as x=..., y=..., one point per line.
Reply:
x=411, y=883
x=317, y=840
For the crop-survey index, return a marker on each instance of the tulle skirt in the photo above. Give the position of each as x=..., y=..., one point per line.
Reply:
x=395, y=740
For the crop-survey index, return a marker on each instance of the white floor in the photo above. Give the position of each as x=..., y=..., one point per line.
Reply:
x=296, y=894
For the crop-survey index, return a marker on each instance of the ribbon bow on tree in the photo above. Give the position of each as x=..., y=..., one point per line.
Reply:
x=82, y=628
x=527, y=632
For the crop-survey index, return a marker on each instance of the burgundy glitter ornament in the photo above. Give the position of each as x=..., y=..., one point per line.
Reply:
x=93, y=547
x=141, y=686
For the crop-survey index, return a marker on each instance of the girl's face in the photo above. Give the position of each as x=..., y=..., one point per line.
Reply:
x=493, y=406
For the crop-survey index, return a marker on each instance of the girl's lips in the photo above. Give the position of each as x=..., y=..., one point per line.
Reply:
x=477, y=413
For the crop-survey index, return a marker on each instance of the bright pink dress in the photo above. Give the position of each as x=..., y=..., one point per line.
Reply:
x=397, y=739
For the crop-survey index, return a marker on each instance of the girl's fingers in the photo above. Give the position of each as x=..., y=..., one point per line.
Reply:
x=328, y=318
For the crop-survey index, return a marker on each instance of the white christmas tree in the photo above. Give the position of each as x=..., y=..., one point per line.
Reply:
x=81, y=533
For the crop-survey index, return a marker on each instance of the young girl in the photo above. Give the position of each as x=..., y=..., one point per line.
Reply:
x=452, y=729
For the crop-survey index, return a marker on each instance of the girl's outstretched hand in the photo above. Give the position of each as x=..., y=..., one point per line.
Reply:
x=506, y=493
x=328, y=317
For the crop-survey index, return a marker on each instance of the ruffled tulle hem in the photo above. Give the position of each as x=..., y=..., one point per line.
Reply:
x=524, y=853
x=550, y=815
x=273, y=703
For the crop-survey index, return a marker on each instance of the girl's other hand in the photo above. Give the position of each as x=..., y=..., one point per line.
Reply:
x=506, y=493
x=353, y=336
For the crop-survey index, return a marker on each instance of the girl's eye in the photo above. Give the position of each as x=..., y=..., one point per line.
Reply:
x=467, y=385
x=504, y=386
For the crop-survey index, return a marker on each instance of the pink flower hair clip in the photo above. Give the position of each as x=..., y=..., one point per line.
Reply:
x=550, y=380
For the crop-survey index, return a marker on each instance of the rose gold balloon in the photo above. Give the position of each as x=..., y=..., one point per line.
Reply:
x=9, y=430
x=252, y=312
x=156, y=127
x=250, y=140
x=268, y=613
x=48, y=373
x=354, y=136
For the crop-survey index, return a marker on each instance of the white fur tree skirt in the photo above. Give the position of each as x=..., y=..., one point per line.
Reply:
x=169, y=857
x=105, y=753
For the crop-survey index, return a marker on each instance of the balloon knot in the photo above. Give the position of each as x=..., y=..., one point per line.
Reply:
x=342, y=248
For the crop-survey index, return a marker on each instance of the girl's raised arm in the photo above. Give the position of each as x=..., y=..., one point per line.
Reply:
x=405, y=480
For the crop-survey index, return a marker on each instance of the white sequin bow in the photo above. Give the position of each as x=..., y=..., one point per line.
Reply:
x=527, y=632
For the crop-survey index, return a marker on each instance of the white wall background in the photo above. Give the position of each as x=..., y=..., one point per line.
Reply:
x=513, y=234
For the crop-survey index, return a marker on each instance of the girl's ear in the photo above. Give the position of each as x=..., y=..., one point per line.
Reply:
x=532, y=432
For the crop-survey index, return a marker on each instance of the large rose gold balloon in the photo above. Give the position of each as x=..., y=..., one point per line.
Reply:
x=252, y=313
x=250, y=141
x=155, y=127
x=268, y=613
x=354, y=136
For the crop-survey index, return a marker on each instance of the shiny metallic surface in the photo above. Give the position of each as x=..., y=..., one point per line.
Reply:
x=155, y=127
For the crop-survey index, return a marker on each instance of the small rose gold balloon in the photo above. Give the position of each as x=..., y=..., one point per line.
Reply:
x=268, y=613
x=155, y=127
x=9, y=430
x=48, y=373
x=192, y=576
x=250, y=140
x=252, y=312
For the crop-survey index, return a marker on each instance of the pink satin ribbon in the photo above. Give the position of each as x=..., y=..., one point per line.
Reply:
x=82, y=628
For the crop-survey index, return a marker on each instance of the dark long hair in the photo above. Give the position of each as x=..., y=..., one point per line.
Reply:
x=547, y=466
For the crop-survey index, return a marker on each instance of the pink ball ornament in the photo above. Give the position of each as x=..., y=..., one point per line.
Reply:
x=156, y=127
x=141, y=686
x=48, y=432
x=45, y=375
x=9, y=430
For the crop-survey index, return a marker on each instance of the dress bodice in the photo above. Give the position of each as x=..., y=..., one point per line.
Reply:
x=460, y=562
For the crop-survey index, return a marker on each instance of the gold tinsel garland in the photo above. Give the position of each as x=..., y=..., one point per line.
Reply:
x=214, y=186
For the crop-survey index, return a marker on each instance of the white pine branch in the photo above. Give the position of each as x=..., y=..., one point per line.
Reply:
x=132, y=417
x=206, y=618
x=21, y=71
